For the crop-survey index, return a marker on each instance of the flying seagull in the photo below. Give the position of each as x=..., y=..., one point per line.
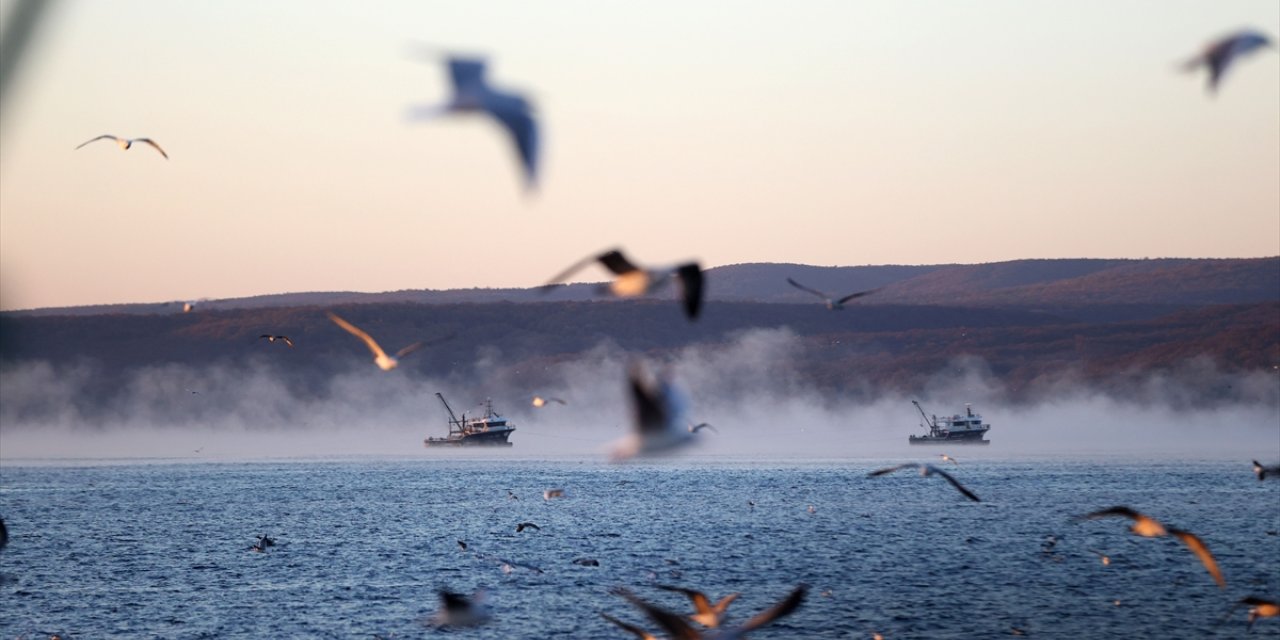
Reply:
x=676, y=627
x=473, y=94
x=271, y=338
x=527, y=525
x=706, y=614
x=658, y=408
x=630, y=628
x=125, y=143
x=927, y=469
x=1258, y=608
x=380, y=358
x=632, y=281
x=539, y=401
x=1220, y=54
x=1262, y=472
x=947, y=458
x=832, y=304
x=694, y=428
x=1148, y=527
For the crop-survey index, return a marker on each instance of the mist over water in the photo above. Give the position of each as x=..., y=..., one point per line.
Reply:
x=749, y=388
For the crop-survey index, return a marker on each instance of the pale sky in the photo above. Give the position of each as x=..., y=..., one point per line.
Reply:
x=828, y=133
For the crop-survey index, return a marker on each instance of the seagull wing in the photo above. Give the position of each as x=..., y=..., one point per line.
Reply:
x=609, y=259
x=704, y=425
x=955, y=483
x=804, y=288
x=105, y=136
x=151, y=142
x=409, y=349
x=614, y=261
x=1113, y=511
x=670, y=622
x=699, y=599
x=691, y=288
x=853, y=296
x=1197, y=547
x=783, y=608
x=514, y=113
x=880, y=472
x=630, y=628
x=286, y=340
x=355, y=331
x=649, y=410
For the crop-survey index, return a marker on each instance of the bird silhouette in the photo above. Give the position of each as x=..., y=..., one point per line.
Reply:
x=833, y=304
x=472, y=93
x=925, y=470
x=632, y=281
x=658, y=408
x=380, y=357
x=1263, y=471
x=1149, y=527
x=126, y=143
x=706, y=614
x=1221, y=54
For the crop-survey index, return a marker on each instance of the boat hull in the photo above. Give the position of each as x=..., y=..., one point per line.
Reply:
x=492, y=438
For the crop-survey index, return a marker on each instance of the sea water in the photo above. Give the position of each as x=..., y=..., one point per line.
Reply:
x=160, y=549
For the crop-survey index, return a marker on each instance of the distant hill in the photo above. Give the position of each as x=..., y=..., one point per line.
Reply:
x=1129, y=288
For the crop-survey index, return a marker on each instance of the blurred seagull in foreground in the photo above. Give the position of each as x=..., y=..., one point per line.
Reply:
x=1148, y=527
x=539, y=401
x=658, y=408
x=457, y=610
x=706, y=614
x=632, y=281
x=676, y=627
x=927, y=469
x=1258, y=608
x=380, y=358
x=832, y=304
x=125, y=143
x=473, y=94
x=1220, y=54
x=271, y=338
x=1262, y=472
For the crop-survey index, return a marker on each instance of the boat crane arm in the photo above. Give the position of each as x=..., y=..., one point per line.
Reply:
x=452, y=417
x=919, y=408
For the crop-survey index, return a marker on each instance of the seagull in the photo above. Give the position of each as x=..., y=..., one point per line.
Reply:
x=1106, y=559
x=707, y=614
x=552, y=493
x=188, y=307
x=473, y=94
x=632, y=281
x=1148, y=527
x=265, y=542
x=586, y=562
x=271, y=338
x=658, y=409
x=457, y=610
x=1258, y=608
x=947, y=458
x=380, y=358
x=834, y=305
x=676, y=627
x=527, y=525
x=512, y=496
x=1220, y=54
x=4, y=534
x=126, y=143
x=694, y=428
x=539, y=401
x=630, y=628
x=926, y=469
x=462, y=545
x=1262, y=472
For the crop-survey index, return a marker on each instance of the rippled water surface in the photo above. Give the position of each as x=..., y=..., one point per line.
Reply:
x=159, y=549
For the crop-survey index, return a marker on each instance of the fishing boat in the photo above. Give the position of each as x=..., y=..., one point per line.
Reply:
x=491, y=430
x=956, y=429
